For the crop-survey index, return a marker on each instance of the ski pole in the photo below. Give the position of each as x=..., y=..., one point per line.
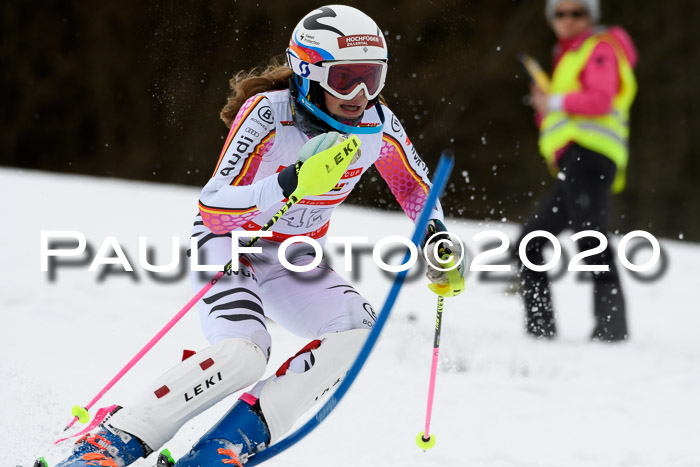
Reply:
x=453, y=287
x=316, y=175
x=424, y=439
x=81, y=413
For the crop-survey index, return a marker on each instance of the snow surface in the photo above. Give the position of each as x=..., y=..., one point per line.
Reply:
x=502, y=399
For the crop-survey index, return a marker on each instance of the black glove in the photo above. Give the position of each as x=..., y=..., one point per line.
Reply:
x=288, y=178
x=436, y=227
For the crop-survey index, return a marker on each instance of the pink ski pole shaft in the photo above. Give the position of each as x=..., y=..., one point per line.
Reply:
x=425, y=437
x=292, y=201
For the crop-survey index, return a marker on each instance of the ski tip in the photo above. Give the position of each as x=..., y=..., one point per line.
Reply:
x=165, y=459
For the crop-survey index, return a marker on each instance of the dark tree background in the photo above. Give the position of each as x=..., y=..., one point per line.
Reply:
x=133, y=90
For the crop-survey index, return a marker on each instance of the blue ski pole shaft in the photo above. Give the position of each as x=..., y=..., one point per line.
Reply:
x=442, y=174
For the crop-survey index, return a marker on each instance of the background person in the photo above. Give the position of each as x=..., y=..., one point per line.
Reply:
x=584, y=127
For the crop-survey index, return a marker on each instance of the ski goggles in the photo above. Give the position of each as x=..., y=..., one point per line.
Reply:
x=344, y=79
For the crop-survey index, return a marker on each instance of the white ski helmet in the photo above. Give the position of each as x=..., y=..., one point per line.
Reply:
x=342, y=50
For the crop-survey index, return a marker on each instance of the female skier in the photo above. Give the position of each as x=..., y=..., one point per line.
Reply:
x=337, y=64
x=583, y=120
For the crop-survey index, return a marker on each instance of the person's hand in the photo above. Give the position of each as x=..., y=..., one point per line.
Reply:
x=539, y=100
x=321, y=163
x=288, y=178
x=442, y=254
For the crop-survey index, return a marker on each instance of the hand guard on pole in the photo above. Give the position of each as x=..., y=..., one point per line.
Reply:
x=321, y=163
x=445, y=259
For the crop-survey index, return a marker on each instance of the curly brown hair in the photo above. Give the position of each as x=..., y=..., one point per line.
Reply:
x=245, y=84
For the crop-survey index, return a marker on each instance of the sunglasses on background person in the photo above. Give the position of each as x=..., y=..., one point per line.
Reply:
x=574, y=14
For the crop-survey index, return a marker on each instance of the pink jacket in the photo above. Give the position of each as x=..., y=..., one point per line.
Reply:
x=600, y=78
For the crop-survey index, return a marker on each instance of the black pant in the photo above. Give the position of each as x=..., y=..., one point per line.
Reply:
x=579, y=201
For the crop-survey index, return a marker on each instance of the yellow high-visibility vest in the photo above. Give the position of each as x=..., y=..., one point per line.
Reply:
x=606, y=134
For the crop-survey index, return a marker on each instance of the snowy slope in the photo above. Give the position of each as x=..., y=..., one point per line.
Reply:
x=502, y=399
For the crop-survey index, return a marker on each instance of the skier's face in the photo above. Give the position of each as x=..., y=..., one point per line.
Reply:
x=350, y=109
x=570, y=19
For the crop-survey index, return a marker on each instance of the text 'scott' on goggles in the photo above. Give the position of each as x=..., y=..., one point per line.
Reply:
x=343, y=79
